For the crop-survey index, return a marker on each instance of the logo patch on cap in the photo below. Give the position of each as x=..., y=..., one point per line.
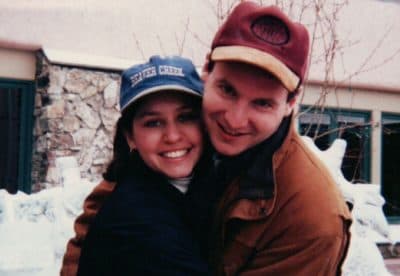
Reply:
x=153, y=71
x=171, y=71
x=271, y=30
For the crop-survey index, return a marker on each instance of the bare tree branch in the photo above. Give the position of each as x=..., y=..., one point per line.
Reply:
x=138, y=46
x=180, y=45
x=161, y=45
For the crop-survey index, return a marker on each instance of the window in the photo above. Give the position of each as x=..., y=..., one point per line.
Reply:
x=16, y=119
x=391, y=164
x=352, y=126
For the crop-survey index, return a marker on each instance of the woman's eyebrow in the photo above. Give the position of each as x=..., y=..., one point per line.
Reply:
x=147, y=113
x=185, y=107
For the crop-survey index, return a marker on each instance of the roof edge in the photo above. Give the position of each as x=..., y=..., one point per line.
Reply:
x=356, y=85
x=16, y=45
x=67, y=58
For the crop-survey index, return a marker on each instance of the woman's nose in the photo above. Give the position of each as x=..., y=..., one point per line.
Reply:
x=172, y=133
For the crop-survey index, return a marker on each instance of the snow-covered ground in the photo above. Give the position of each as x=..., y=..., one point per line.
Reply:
x=369, y=222
x=34, y=229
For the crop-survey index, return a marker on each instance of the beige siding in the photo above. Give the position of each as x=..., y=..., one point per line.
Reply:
x=17, y=64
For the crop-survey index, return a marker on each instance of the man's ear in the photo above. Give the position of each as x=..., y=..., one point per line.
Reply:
x=291, y=104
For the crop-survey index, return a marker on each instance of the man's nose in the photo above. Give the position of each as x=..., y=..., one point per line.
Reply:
x=237, y=117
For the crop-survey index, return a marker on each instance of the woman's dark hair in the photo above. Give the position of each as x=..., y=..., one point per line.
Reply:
x=119, y=164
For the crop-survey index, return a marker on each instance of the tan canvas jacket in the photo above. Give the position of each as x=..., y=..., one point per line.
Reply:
x=302, y=230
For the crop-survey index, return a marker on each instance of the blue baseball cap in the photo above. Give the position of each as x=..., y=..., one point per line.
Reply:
x=159, y=74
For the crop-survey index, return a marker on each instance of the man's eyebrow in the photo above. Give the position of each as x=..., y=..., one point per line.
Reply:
x=222, y=79
x=225, y=82
x=270, y=101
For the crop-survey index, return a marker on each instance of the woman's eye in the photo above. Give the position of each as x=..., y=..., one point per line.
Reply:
x=152, y=123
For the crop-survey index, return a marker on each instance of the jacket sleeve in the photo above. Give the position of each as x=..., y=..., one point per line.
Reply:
x=319, y=256
x=91, y=206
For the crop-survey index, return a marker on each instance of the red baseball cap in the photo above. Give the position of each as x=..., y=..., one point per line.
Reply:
x=265, y=37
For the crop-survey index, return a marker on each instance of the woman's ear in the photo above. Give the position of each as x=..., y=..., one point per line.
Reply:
x=129, y=140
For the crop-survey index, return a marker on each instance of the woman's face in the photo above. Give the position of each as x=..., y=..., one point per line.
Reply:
x=167, y=133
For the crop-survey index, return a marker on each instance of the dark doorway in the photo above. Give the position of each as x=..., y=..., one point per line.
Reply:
x=16, y=116
x=355, y=165
x=324, y=126
x=391, y=164
x=315, y=125
x=10, y=103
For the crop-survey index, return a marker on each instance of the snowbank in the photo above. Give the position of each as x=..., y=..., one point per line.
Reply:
x=369, y=222
x=34, y=228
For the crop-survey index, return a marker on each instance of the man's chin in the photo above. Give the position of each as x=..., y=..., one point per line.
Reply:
x=226, y=148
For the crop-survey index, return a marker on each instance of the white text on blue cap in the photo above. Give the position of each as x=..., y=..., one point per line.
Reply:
x=152, y=72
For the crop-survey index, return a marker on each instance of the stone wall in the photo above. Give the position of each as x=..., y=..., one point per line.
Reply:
x=75, y=113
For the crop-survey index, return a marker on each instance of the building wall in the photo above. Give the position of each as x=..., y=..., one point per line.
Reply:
x=353, y=98
x=374, y=101
x=17, y=64
x=75, y=113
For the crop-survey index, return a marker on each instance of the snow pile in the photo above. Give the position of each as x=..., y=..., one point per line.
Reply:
x=34, y=229
x=369, y=221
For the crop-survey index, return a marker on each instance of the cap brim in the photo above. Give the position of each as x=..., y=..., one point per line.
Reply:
x=155, y=89
x=260, y=59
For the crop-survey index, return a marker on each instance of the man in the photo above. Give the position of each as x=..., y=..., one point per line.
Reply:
x=279, y=211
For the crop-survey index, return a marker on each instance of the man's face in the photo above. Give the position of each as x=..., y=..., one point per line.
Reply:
x=242, y=106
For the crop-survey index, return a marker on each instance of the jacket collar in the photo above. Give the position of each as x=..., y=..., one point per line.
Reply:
x=142, y=175
x=254, y=166
x=258, y=180
x=254, y=190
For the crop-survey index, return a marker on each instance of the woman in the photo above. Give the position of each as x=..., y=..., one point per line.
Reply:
x=144, y=227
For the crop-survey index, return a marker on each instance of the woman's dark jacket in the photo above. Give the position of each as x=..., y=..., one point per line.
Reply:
x=143, y=228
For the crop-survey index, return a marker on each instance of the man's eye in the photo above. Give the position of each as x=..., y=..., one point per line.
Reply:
x=262, y=103
x=227, y=89
x=152, y=123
